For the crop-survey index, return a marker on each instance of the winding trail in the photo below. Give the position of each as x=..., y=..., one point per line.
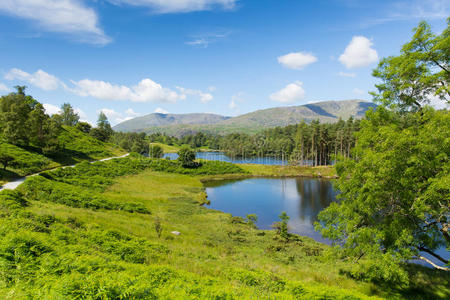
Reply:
x=14, y=184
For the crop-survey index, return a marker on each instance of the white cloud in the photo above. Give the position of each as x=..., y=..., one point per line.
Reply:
x=358, y=91
x=40, y=79
x=290, y=93
x=51, y=109
x=145, y=91
x=344, y=74
x=131, y=112
x=177, y=6
x=160, y=110
x=204, y=97
x=66, y=16
x=235, y=99
x=3, y=88
x=297, y=60
x=359, y=53
x=115, y=117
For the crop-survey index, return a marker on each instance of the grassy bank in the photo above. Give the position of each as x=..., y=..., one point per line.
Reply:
x=254, y=170
x=78, y=147
x=62, y=249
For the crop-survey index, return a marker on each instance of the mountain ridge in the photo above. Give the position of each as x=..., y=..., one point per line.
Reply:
x=182, y=124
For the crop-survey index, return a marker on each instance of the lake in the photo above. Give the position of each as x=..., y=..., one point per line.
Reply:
x=301, y=198
x=220, y=156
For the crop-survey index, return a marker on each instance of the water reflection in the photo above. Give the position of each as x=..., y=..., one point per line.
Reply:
x=220, y=156
x=301, y=198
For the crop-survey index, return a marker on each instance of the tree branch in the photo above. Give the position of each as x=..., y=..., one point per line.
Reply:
x=433, y=254
x=432, y=263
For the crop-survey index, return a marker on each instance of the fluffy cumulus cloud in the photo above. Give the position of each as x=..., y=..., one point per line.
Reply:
x=359, y=53
x=291, y=93
x=145, y=91
x=51, y=109
x=297, y=60
x=115, y=117
x=40, y=79
x=177, y=6
x=160, y=110
x=204, y=97
x=67, y=16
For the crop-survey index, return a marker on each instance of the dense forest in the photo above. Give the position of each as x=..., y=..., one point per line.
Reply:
x=302, y=144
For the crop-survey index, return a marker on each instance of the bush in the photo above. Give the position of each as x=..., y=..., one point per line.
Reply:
x=187, y=157
x=155, y=151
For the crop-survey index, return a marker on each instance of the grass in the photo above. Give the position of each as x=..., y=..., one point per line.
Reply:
x=54, y=250
x=254, y=170
x=78, y=147
x=166, y=148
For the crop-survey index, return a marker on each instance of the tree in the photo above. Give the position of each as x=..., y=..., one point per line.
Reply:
x=103, y=131
x=69, y=116
x=282, y=226
x=421, y=72
x=187, y=157
x=84, y=127
x=14, y=113
x=38, y=125
x=6, y=159
x=394, y=192
x=395, y=196
x=155, y=151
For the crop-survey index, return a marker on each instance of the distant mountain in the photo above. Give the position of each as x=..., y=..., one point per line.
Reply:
x=172, y=124
x=140, y=124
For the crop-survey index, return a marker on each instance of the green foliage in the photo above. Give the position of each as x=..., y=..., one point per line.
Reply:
x=11, y=199
x=55, y=251
x=23, y=121
x=252, y=219
x=395, y=196
x=25, y=162
x=155, y=151
x=69, y=116
x=158, y=227
x=6, y=159
x=103, y=131
x=419, y=73
x=81, y=186
x=84, y=127
x=186, y=156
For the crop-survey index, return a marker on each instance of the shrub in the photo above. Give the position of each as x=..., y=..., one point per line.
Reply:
x=187, y=157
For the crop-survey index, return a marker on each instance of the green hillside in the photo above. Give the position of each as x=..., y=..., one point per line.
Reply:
x=158, y=119
x=325, y=112
x=78, y=147
x=104, y=231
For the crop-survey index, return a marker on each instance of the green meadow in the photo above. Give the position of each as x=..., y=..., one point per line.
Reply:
x=104, y=231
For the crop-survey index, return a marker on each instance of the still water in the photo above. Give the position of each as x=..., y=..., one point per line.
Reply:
x=220, y=156
x=301, y=198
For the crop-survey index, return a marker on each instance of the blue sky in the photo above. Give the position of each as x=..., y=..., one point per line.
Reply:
x=134, y=57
